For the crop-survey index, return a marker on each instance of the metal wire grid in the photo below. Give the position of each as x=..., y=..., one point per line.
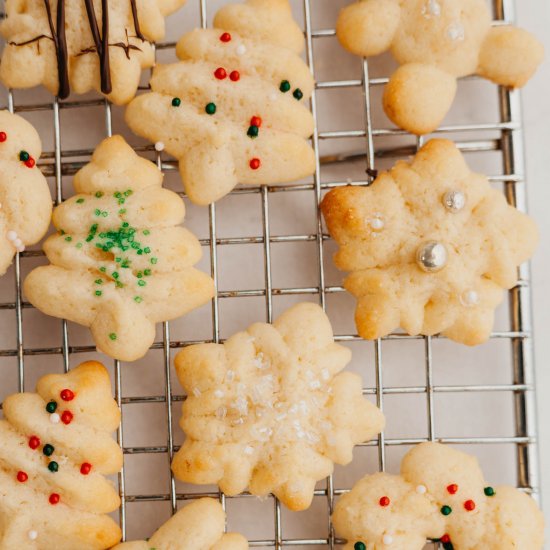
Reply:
x=58, y=164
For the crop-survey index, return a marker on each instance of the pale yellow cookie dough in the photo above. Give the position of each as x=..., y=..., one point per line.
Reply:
x=120, y=261
x=197, y=526
x=31, y=53
x=435, y=42
x=53, y=493
x=441, y=495
x=25, y=200
x=233, y=110
x=435, y=198
x=270, y=409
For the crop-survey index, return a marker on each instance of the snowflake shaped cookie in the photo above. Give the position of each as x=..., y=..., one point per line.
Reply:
x=92, y=45
x=120, y=261
x=233, y=110
x=55, y=449
x=270, y=410
x=197, y=526
x=435, y=42
x=440, y=495
x=25, y=200
x=430, y=246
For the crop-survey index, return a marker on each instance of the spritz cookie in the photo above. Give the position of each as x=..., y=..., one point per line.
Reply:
x=120, y=261
x=270, y=409
x=234, y=109
x=430, y=246
x=435, y=42
x=55, y=449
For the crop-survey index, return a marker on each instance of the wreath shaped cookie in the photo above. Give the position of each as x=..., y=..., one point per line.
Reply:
x=430, y=245
x=25, y=200
x=120, y=261
x=233, y=109
x=440, y=495
x=435, y=42
x=270, y=409
x=82, y=45
x=55, y=449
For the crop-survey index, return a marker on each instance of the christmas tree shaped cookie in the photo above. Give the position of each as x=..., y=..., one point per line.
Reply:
x=197, y=526
x=430, y=246
x=55, y=449
x=270, y=409
x=82, y=45
x=440, y=495
x=435, y=42
x=120, y=261
x=233, y=110
x=25, y=200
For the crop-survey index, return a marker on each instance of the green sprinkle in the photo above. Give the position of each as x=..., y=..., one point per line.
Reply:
x=147, y=272
x=138, y=299
x=139, y=275
x=79, y=201
x=146, y=232
x=93, y=228
x=121, y=201
x=140, y=252
x=97, y=212
x=122, y=211
x=53, y=466
x=298, y=94
x=98, y=292
x=210, y=109
x=48, y=449
x=105, y=213
x=128, y=192
x=89, y=238
x=112, y=336
x=489, y=491
x=253, y=132
x=117, y=195
x=98, y=281
x=114, y=275
x=446, y=510
x=176, y=102
x=23, y=155
x=141, y=282
x=99, y=194
x=125, y=263
x=125, y=224
x=78, y=245
x=103, y=269
x=68, y=239
x=51, y=407
x=285, y=86
x=153, y=260
x=147, y=250
x=119, y=284
x=359, y=546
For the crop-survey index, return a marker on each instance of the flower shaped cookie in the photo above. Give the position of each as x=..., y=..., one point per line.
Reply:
x=430, y=246
x=92, y=45
x=55, y=449
x=25, y=200
x=233, y=109
x=268, y=410
x=197, y=526
x=120, y=261
x=435, y=42
x=440, y=495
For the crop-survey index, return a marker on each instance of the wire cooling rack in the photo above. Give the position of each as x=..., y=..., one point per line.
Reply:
x=423, y=383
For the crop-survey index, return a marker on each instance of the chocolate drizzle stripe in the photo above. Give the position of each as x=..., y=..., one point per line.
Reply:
x=136, y=20
x=106, y=86
x=62, y=61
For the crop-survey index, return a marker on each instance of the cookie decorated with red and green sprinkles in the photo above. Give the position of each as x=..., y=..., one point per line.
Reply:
x=25, y=200
x=440, y=496
x=55, y=449
x=120, y=261
x=233, y=109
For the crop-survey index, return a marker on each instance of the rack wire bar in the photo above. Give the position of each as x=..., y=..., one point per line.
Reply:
x=505, y=136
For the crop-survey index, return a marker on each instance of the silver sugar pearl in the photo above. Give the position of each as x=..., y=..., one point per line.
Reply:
x=431, y=256
x=454, y=201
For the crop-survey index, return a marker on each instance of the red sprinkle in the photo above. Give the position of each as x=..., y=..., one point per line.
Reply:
x=384, y=501
x=256, y=121
x=3, y=137
x=225, y=37
x=22, y=476
x=445, y=538
x=67, y=395
x=67, y=417
x=220, y=73
x=470, y=505
x=255, y=163
x=54, y=498
x=34, y=442
x=30, y=162
x=85, y=468
x=235, y=75
x=452, y=489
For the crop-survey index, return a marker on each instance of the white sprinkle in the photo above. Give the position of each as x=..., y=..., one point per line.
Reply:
x=159, y=146
x=197, y=392
x=18, y=243
x=421, y=489
x=387, y=540
x=241, y=49
x=377, y=223
x=470, y=298
x=55, y=418
x=261, y=362
x=248, y=450
x=221, y=412
x=241, y=405
x=230, y=376
x=325, y=374
x=455, y=31
x=315, y=385
x=11, y=235
x=237, y=422
x=219, y=393
x=33, y=535
x=432, y=7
